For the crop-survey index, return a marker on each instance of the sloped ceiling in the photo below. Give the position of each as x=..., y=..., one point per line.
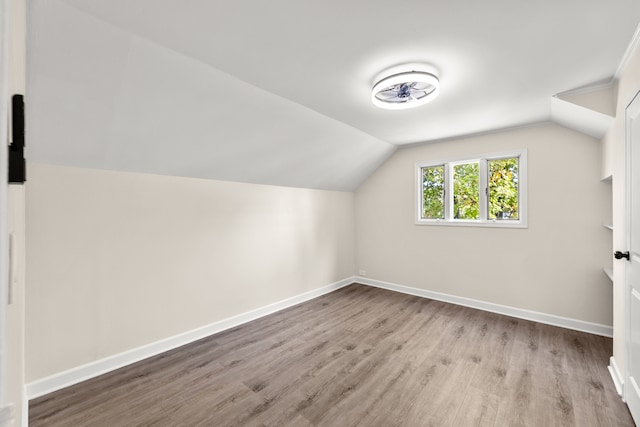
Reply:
x=279, y=92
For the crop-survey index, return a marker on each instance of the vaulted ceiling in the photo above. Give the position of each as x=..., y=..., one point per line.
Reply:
x=278, y=92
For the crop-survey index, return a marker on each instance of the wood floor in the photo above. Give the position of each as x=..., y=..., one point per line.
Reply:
x=360, y=356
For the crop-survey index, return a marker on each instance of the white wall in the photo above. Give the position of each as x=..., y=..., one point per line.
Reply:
x=119, y=260
x=614, y=163
x=103, y=97
x=553, y=267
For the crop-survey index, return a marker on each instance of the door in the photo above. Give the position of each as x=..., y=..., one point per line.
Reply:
x=5, y=415
x=632, y=388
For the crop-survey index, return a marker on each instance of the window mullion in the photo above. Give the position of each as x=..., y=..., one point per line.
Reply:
x=483, y=188
x=448, y=194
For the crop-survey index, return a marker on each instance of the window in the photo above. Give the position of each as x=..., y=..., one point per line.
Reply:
x=433, y=192
x=466, y=195
x=488, y=190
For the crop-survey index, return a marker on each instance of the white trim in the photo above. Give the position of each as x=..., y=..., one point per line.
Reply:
x=608, y=271
x=25, y=408
x=617, y=378
x=6, y=415
x=494, y=223
x=631, y=111
x=483, y=188
x=535, y=316
x=93, y=369
x=585, y=89
x=448, y=201
x=634, y=386
x=627, y=53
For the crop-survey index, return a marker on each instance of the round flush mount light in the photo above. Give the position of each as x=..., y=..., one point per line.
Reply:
x=405, y=90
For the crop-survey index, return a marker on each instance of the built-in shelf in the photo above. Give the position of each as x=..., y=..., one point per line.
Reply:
x=609, y=272
x=609, y=226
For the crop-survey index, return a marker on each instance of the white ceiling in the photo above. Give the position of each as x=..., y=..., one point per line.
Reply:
x=278, y=92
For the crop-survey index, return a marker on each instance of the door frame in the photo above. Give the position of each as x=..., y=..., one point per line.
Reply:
x=628, y=389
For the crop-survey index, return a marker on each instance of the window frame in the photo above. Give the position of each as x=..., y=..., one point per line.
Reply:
x=483, y=187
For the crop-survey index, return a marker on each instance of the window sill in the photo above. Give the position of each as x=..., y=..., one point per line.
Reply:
x=463, y=223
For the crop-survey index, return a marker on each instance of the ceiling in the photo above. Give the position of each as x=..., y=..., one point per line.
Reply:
x=278, y=92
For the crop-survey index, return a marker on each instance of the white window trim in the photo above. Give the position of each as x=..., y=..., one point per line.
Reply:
x=482, y=222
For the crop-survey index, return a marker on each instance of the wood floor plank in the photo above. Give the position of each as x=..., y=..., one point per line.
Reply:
x=360, y=356
x=477, y=409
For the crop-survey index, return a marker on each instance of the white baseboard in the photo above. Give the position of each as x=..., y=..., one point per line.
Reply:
x=6, y=415
x=617, y=378
x=90, y=370
x=549, y=319
x=25, y=408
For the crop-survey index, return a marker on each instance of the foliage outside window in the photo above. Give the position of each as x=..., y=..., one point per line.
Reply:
x=466, y=196
x=503, y=188
x=485, y=191
x=433, y=192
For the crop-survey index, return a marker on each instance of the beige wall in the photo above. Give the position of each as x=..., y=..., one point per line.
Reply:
x=614, y=163
x=553, y=267
x=119, y=260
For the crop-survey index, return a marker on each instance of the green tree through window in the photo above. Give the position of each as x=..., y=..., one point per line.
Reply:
x=433, y=192
x=466, y=197
x=503, y=188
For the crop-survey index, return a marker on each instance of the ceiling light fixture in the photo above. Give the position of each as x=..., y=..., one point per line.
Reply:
x=405, y=90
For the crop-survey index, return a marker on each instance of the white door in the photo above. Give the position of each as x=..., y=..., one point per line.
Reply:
x=4, y=235
x=632, y=389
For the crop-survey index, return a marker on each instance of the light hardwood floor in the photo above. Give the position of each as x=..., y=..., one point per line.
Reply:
x=359, y=356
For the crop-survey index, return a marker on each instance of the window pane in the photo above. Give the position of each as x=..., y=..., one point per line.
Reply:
x=465, y=191
x=503, y=188
x=433, y=192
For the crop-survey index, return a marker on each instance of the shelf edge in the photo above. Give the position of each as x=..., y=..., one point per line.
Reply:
x=609, y=272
